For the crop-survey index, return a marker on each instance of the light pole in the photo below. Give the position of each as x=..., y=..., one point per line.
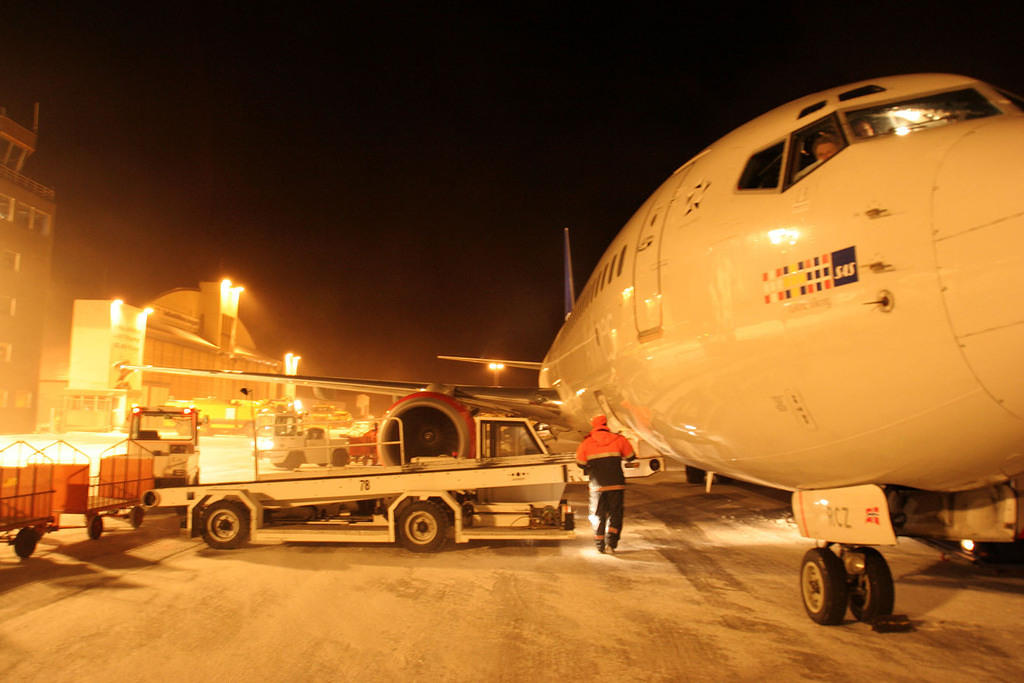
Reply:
x=496, y=368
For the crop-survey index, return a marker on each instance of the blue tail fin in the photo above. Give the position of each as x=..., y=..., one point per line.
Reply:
x=570, y=288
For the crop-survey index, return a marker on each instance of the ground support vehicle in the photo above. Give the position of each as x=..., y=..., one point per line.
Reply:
x=169, y=439
x=420, y=504
x=26, y=497
x=287, y=443
x=52, y=488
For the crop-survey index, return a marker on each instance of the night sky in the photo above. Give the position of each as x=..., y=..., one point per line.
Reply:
x=389, y=182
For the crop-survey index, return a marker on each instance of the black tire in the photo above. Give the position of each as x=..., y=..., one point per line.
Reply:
x=226, y=525
x=695, y=475
x=25, y=542
x=294, y=460
x=872, y=594
x=339, y=458
x=94, y=526
x=823, y=586
x=423, y=527
x=136, y=516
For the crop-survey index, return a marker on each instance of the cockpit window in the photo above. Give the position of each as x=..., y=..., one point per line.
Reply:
x=763, y=169
x=812, y=146
x=910, y=116
x=1016, y=99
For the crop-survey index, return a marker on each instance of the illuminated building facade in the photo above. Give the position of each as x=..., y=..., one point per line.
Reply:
x=26, y=242
x=187, y=328
x=199, y=328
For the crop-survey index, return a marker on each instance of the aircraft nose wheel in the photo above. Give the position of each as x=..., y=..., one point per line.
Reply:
x=860, y=580
x=871, y=590
x=823, y=586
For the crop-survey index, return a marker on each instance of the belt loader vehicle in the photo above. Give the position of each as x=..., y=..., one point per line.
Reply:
x=513, y=489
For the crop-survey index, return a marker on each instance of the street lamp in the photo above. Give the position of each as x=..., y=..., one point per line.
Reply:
x=496, y=368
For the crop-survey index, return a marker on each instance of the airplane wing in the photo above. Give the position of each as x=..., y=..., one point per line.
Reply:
x=535, y=403
x=525, y=364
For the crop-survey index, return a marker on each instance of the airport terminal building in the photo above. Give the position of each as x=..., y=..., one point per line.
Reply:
x=185, y=328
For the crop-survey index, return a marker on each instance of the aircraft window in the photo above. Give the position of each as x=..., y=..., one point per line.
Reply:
x=810, y=109
x=1017, y=100
x=611, y=269
x=812, y=146
x=910, y=116
x=763, y=169
x=622, y=260
x=860, y=92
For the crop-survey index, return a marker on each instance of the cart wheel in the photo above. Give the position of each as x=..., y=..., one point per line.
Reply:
x=94, y=525
x=136, y=516
x=423, y=527
x=25, y=542
x=340, y=457
x=226, y=525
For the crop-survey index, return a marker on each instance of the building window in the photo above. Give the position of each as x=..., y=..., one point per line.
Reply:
x=4, y=398
x=5, y=352
x=6, y=208
x=41, y=222
x=22, y=215
x=22, y=399
x=10, y=260
x=7, y=306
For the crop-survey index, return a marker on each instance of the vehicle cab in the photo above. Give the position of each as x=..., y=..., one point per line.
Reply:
x=171, y=437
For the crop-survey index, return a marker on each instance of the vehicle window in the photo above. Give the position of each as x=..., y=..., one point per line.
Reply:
x=763, y=169
x=812, y=146
x=919, y=113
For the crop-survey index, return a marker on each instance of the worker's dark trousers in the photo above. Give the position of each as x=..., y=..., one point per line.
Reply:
x=606, y=510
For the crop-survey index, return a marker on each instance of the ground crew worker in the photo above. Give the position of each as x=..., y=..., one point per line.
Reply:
x=600, y=456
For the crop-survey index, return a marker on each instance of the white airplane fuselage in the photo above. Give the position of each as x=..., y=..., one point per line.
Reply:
x=862, y=321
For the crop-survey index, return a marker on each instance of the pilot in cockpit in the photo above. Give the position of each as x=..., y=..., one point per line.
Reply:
x=825, y=147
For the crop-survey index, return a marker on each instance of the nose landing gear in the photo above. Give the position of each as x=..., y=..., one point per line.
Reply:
x=858, y=578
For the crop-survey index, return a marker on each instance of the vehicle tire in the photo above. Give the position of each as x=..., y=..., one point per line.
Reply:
x=694, y=475
x=226, y=524
x=294, y=460
x=423, y=526
x=25, y=542
x=94, y=526
x=136, y=516
x=339, y=458
x=823, y=586
x=871, y=593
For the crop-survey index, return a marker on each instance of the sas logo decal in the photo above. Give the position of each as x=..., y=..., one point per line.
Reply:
x=813, y=275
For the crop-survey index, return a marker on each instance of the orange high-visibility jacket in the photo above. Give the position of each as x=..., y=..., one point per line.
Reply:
x=600, y=456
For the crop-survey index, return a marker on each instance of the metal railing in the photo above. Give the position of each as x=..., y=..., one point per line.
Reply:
x=29, y=184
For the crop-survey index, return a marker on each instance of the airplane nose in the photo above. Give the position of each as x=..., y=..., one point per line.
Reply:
x=978, y=224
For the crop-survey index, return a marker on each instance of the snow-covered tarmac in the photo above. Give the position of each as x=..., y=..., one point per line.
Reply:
x=704, y=588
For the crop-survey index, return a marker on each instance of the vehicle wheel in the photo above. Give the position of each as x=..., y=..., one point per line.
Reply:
x=25, y=542
x=823, y=586
x=94, y=526
x=136, y=516
x=694, y=475
x=294, y=459
x=871, y=593
x=226, y=524
x=423, y=527
x=339, y=458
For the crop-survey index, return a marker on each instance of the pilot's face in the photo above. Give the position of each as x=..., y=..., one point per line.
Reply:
x=825, y=150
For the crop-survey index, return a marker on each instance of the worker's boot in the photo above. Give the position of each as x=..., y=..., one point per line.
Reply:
x=600, y=545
